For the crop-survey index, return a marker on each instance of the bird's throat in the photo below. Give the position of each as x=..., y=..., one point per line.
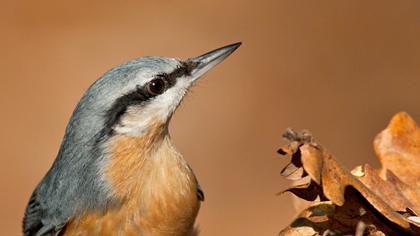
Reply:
x=153, y=182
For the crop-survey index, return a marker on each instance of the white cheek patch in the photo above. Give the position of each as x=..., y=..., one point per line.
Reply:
x=167, y=102
x=138, y=119
x=134, y=122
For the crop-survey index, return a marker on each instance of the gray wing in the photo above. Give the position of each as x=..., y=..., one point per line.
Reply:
x=33, y=223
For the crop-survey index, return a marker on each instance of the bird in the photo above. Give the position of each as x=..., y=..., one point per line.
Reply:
x=117, y=171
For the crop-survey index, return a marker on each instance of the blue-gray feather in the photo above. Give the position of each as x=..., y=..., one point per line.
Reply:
x=73, y=184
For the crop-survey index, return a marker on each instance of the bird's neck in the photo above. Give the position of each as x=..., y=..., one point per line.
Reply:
x=150, y=177
x=134, y=160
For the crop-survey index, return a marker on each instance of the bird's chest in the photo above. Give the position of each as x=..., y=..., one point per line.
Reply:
x=159, y=218
x=156, y=216
x=166, y=203
x=157, y=195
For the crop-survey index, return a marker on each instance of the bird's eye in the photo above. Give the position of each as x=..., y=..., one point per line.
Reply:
x=156, y=86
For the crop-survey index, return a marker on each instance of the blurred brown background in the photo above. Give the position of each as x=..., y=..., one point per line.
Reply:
x=338, y=68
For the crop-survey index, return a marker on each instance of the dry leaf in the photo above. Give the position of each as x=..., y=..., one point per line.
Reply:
x=387, y=197
x=398, y=150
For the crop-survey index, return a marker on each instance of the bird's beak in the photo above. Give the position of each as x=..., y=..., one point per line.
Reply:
x=207, y=61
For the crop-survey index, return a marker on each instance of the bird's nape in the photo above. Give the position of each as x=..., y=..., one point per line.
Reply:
x=117, y=171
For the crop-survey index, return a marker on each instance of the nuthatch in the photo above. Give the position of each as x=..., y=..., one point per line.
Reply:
x=117, y=171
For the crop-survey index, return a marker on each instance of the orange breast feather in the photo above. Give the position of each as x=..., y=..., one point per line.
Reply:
x=156, y=189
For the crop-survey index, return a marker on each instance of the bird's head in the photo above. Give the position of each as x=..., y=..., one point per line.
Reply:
x=111, y=132
x=135, y=96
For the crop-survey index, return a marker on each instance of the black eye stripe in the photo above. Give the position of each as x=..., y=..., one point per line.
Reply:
x=120, y=106
x=184, y=69
x=141, y=95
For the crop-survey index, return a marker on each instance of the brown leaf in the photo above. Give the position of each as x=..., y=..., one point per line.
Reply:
x=398, y=150
x=335, y=180
x=389, y=195
x=309, y=191
x=326, y=218
x=387, y=190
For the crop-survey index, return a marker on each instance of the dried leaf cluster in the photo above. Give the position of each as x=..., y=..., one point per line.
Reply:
x=365, y=201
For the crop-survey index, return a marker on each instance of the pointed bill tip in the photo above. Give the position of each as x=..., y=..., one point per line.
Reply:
x=208, y=60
